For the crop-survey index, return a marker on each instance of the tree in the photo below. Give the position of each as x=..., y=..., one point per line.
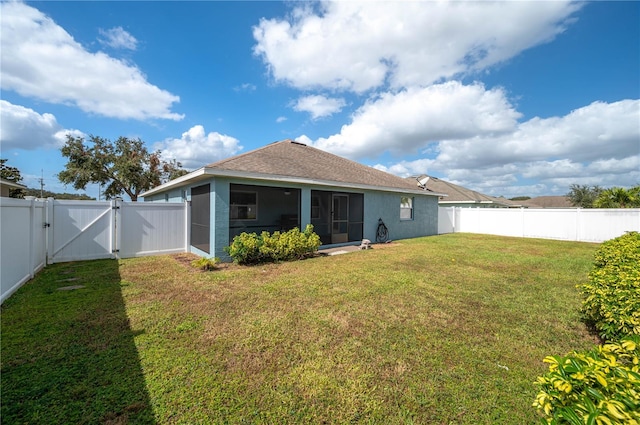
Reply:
x=618, y=197
x=11, y=174
x=583, y=196
x=60, y=196
x=123, y=166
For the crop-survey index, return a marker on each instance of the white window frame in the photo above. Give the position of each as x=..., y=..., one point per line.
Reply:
x=404, y=207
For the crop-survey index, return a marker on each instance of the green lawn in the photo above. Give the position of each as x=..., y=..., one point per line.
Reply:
x=448, y=329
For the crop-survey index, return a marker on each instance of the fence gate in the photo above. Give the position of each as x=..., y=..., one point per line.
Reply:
x=81, y=230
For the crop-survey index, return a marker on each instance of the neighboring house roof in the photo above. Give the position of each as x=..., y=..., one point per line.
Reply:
x=295, y=162
x=12, y=185
x=6, y=186
x=548, y=202
x=461, y=195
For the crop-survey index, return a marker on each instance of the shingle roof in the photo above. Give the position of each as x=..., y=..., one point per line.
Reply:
x=461, y=194
x=548, y=202
x=11, y=184
x=294, y=162
x=288, y=158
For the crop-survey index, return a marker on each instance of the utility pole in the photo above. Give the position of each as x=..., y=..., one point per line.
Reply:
x=41, y=180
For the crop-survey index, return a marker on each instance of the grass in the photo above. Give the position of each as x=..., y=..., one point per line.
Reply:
x=446, y=330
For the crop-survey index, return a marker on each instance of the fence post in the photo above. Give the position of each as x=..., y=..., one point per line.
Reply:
x=49, y=231
x=456, y=212
x=32, y=218
x=578, y=213
x=116, y=227
x=187, y=225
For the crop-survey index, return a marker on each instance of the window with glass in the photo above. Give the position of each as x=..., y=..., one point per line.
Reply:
x=406, y=208
x=243, y=205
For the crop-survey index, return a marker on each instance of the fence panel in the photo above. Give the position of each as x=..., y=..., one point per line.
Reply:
x=604, y=224
x=81, y=230
x=551, y=223
x=145, y=228
x=573, y=224
x=493, y=221
x=446, y=220
x=22, y=242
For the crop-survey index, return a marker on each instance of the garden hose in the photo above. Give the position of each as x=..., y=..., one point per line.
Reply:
x=382, y=234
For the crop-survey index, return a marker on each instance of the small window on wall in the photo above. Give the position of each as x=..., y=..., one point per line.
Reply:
x=244, y=206
x=406, y=208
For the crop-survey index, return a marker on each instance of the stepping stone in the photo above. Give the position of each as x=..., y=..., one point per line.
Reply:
x=70, y=288
x=71, y=279
x=338, y=252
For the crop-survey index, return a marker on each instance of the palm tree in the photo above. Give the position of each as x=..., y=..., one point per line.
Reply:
x=615, y=197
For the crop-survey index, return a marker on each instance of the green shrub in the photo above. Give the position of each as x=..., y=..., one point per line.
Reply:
x=206, y=264
x=250, y=248
x=612, y=295
x=601, y=386
x=245, y=248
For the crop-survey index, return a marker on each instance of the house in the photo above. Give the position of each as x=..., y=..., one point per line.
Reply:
x=458, y=196
x=288, y=184
x=7, y=186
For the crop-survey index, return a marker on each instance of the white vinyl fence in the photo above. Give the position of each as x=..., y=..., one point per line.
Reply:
x=571, y=224
x=35, y=233
x=22, y=242
x=40, y=232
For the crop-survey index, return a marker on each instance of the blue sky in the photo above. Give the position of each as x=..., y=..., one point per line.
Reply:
x=508, y=98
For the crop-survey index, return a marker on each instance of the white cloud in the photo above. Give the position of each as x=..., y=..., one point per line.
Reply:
x=41, y=60
x=319, y=106
x=407, y=168
x=196, y=149
x=359, y=46
x=24, y=128
x=281, y=119
x=245, y=87
x=118, y=38
x=597, y=131
x=408, y=121
x=596, y=144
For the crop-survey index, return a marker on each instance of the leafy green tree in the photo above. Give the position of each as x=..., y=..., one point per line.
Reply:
x=11, y=174
x=617, y=197
x=122, y=166
x=583, y=196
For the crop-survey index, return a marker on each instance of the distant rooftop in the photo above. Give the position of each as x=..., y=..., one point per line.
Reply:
x=458, y=194
x=548, y=202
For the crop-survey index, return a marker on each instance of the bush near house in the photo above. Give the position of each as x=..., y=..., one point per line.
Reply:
x=251, y=248
x=205, y=264
x=612, y=295
x=601, y=386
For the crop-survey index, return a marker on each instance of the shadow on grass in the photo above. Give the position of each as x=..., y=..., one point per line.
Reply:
x=68, y=355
